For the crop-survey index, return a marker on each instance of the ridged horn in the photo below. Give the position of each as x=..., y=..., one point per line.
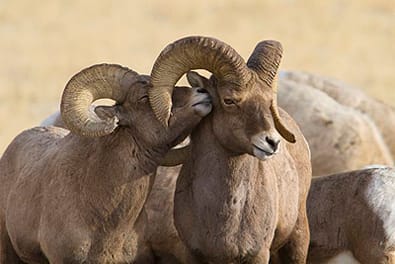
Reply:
x=96, y=82
x=176, y=156
x=265, y=61
x=190, y=53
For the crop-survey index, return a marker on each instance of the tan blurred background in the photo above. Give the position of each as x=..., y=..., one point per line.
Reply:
x=43, y=43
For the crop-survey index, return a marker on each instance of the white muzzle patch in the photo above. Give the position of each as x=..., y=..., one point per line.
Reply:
x=265, y=145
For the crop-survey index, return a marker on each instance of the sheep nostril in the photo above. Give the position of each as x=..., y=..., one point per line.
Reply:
x=273, y=143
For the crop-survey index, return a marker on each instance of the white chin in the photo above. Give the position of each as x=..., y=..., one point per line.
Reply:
x=261, y=154
x=203, y=109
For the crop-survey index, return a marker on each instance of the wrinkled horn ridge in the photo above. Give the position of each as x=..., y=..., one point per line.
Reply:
x=187, y=54
x=96, y=82
x=265, y=61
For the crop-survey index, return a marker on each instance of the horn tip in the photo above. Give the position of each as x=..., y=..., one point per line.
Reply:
x=286, y=134
x=291, y=138
x=161, y=105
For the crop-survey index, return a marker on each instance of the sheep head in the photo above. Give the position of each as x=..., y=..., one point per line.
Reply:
x=132, y=109
x=245, y=116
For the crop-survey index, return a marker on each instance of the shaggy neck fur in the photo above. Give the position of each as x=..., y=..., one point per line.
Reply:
x=118, y=171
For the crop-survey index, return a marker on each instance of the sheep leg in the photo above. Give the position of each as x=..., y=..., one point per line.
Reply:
x=295, y=250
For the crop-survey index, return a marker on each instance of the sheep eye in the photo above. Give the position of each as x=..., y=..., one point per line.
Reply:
x=143, y=82
x=144, y=98
x=228, y=101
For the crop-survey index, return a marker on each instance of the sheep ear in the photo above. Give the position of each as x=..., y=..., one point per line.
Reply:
x=196, y=80
x=107, y=112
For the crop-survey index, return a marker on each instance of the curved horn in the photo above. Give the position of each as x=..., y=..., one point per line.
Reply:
x=93, y=83
x=192, y=53
x=265, y=61
x=176, y=156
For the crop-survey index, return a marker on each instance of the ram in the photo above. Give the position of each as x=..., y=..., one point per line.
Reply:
x=161, y=234
x=241, y=196
x=77, y=197
x=330, y=112
x=353, y=212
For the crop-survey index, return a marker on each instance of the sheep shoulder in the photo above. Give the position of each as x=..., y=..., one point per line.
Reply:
x=38, y=140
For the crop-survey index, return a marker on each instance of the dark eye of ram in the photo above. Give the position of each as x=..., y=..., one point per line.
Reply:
x=143, y=82
x=144, y=98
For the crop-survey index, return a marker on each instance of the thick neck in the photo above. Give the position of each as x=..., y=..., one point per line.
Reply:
x=216, y=170
x=212, y=148
x=116, y=176
x=119, y=150
x=219, y=191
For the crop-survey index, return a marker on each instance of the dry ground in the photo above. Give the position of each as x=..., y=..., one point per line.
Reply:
x=43, y=43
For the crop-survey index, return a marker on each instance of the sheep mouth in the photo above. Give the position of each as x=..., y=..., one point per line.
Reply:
x=204, y=102
x=267, y=153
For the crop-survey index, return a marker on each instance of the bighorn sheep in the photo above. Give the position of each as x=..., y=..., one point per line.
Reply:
x=161, y=236
x=353, y=211
x=375, y=143
x=232, y=203
x=77, y=197
x=382, y=114
x=340, y=138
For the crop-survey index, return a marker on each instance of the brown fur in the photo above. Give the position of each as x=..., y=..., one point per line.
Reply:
x=65, y=198
x=231, y=207
x=351, y=211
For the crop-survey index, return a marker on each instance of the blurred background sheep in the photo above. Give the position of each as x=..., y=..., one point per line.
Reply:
x=345, y=128
x=43, y=44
